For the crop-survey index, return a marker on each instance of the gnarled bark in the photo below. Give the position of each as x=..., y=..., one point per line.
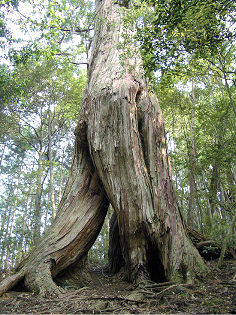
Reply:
x=120, y=156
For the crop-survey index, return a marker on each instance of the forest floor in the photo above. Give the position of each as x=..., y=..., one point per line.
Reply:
x=109, y=295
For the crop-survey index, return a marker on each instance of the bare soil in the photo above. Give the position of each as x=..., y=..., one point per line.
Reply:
x=109, y=295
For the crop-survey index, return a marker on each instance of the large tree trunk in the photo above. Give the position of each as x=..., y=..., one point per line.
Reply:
x=121, y=158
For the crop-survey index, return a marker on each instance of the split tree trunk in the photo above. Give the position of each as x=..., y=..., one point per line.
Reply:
x=121, y=158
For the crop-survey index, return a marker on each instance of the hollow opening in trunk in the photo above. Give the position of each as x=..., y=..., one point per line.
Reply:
x=144, y=149
x=20, y=286
x=155, y=266
x=98, y=253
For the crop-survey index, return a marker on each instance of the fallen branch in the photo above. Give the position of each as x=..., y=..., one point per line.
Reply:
x=151, y=285
x=206, y=243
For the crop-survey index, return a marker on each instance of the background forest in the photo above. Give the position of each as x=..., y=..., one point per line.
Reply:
x=188, y=49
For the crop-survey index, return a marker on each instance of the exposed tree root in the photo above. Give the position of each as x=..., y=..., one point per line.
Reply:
x=41, y=282
x=153, y=285
x=36, y=279
x=145, y=294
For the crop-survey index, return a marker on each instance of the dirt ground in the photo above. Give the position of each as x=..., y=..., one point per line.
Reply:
x=109, y=295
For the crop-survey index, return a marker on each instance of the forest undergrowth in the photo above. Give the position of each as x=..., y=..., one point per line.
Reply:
x=110, y=295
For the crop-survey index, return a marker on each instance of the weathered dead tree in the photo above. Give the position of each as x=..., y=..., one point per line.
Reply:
x=120, y=157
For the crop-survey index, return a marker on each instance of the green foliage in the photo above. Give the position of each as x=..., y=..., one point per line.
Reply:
x=26, y=54
x=172, y=33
